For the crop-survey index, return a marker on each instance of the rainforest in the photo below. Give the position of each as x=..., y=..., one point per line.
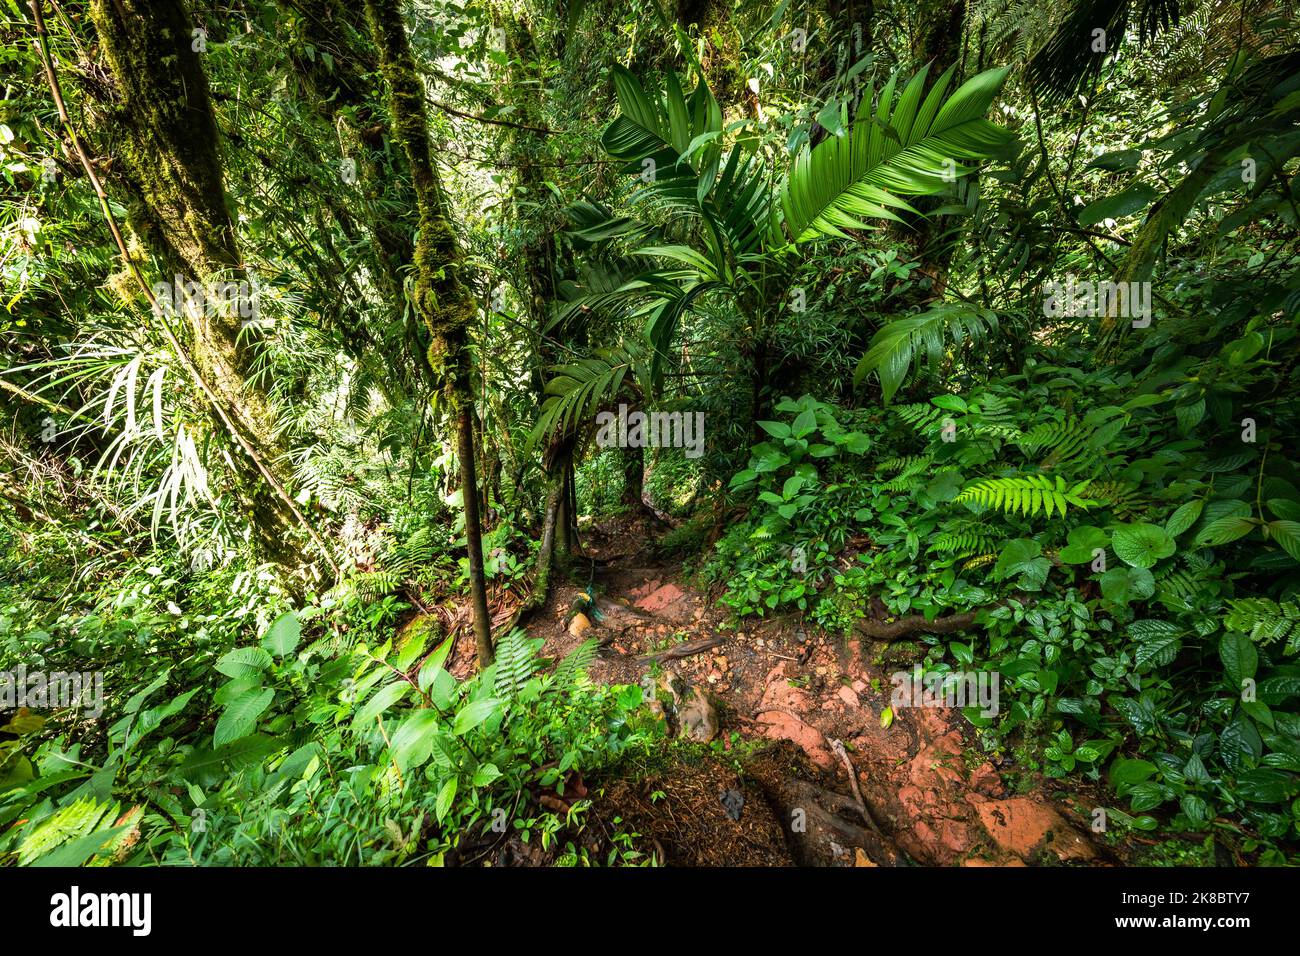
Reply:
x=650, y=433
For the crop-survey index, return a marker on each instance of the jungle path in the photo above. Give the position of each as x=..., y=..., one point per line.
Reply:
x=930, y=796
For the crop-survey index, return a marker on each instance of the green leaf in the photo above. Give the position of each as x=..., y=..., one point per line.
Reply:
x=1266, y=786
x=445, y=798
x=805, y=424
x=1184, y=517
x=239, y=719
x=1123, y=585
x=243, y=662
x=1132, y=200
x=1287, y=534
x=412, y=741
x=1239, y=743
x=775, y=429
x=474, y=714
x=1142, y=545
x=1125, y=770
x=1121, y=160
x=1240, y=659
x=283, y=635
x=952, y=403
x=1021, y=556
x=908, y=144
x=379, y=702
x=1224, y=530
x=1084, y=541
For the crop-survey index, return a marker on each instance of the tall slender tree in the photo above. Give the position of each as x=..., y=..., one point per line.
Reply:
x=439, y=295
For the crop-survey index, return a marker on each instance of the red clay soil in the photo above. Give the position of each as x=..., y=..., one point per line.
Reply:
x=923, y=779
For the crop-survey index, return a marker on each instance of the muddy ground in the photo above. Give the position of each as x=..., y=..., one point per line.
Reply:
x=782, y=697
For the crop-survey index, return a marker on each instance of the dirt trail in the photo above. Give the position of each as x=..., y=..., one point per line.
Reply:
x=923, y=779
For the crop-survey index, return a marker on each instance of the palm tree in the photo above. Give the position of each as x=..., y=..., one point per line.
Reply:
x=737, y=228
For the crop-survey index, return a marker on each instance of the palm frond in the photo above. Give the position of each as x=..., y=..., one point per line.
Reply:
x=899, y=344
x=906, y=145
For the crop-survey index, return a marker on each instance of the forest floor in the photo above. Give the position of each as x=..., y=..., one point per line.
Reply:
x=792, y=710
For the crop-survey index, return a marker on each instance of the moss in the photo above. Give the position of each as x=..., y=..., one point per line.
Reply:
x=439, y=296
x=171, y=135
x=167, y=136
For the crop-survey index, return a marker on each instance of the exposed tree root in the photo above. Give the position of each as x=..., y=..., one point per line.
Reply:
x=917, y=624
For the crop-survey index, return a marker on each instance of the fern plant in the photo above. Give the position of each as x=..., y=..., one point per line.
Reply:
x=1265, y=621
x=1029, y=495
x=967, y=538
x=516, y=662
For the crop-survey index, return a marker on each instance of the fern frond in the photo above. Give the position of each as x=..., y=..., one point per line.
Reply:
x=1265, y=621
x=908, y=471
x=516, y=662
x=920, y=416
x=1122, y=497
x=569, y=671
x=1029, y=495
x=971, y=539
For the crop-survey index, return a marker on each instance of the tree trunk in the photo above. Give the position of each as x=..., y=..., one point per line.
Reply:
x=546, y=552
x=936, y=42
x=342, y=91
x=633, y=479
x=169, y=145
x=440, y=297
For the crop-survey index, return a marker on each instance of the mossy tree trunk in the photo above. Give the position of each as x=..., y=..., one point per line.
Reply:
x=439, y=295
x=167, y=137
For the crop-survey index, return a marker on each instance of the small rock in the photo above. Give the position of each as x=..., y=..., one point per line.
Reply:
x=733, y=801
x=579, y=624
x=847, y=695
x=698, y=719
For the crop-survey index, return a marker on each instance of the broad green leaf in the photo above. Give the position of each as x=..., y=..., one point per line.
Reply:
x=474, y=714
x=239, y=719
x=283, y=635
x=243, y=662
x=1142, y=545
